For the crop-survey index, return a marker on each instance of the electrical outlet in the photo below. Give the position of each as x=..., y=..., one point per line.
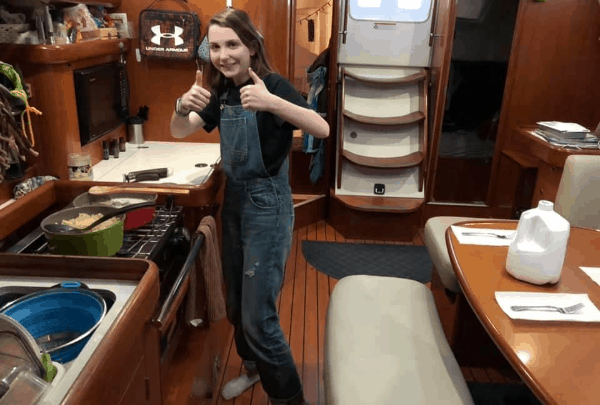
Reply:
x=27, y=88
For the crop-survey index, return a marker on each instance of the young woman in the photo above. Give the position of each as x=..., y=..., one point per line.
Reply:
x=256, y=111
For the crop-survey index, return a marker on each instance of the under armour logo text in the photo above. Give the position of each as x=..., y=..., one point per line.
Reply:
x=177, y=35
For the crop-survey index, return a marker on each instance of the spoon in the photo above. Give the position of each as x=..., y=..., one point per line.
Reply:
x=60, y=228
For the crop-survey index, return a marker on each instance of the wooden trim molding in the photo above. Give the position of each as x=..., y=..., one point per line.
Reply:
x=414, y=78
x=380, y=204
x=59, y=54
x=411, y=118
x=414, y=159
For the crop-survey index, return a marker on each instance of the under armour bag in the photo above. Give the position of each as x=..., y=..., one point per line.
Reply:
x=169, y=34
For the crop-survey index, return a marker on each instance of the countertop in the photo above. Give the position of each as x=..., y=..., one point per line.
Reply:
x=180, y=157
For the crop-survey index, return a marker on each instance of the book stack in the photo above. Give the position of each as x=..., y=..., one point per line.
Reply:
x=563, y=130
x=566, y=133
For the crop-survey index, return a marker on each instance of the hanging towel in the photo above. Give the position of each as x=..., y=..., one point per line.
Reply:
x=209, y=263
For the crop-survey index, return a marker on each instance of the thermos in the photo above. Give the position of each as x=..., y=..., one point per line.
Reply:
x=136, y=131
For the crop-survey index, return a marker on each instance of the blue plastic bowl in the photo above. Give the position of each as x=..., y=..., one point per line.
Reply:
x=60, y=310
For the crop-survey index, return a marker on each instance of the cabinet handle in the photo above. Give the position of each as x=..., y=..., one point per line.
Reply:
x=147, y=382
x=541, y=191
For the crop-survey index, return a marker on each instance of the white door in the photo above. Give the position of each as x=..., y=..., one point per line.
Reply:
x=385, y=32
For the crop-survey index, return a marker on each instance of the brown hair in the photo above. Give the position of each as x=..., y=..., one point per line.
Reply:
x=241, y=24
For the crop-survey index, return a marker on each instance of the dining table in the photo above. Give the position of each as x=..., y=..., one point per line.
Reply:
x=558, y=360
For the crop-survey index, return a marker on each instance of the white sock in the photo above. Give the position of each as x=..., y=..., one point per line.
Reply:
x=235, y=387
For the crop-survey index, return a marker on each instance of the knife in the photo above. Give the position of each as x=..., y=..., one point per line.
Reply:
x=147, y=175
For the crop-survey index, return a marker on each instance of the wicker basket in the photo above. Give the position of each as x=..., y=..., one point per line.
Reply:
x=9, y=33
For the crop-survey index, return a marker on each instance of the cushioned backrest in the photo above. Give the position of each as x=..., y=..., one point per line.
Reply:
x=578, y=193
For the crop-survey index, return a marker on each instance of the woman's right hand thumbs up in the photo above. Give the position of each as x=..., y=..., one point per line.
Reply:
x=197, y=97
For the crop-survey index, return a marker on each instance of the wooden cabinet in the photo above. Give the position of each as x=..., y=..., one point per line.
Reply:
x=49, y=71
x=547, y=183
x=125, y=369
x=550, y=162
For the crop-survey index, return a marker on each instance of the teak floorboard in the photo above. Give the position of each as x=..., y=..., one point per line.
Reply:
x=302, y=308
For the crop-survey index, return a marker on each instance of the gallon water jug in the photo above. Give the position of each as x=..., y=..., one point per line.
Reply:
x=537, y=253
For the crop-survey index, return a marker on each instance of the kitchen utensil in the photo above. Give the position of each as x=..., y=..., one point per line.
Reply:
x=106, y=190
x=18, y=347
x=104, y=242
x=62, y=228
x=563, y=310
x=21, y=387
x=495, y=235
x=68, y=308
x=147, y=175
x=133, y=219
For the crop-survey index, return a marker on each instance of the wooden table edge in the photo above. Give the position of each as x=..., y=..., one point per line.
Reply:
x=494, y=334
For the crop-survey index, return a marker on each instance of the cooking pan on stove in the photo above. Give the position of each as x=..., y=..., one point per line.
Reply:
x=103, y=242
x=133, y=219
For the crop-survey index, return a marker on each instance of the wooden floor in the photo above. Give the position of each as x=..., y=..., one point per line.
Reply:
x=302, y=309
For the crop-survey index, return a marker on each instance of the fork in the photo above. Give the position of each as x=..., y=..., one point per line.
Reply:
x=509, y=236
x=562, y=310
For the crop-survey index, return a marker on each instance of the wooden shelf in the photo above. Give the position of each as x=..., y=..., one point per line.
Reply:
x=380, y=204
x=411, y=118
x=367, y=76
x=59, y=54
x=414, y=159
x=105, y=3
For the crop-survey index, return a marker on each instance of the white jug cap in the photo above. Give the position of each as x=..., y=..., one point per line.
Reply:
x=546, y=205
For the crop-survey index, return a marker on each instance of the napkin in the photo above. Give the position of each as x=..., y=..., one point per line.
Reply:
x=593, y=273
x=481, y=239
x=506, y=299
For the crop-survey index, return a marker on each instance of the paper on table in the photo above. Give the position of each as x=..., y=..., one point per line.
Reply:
x=593, y=273
x=506, y=299
x=480, y=239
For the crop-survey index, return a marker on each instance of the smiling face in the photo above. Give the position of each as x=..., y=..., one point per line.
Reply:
x=229, y=54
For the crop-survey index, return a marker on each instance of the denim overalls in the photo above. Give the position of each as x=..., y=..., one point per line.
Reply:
x=258, y=222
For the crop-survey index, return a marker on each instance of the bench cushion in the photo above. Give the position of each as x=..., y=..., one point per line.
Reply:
x=435, y=242
x=384, y=344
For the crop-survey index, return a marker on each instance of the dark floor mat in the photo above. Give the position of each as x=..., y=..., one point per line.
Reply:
x=339, y=260
x=502, y=394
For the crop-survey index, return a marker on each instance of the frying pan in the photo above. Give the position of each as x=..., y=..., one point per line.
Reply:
x=133, y=219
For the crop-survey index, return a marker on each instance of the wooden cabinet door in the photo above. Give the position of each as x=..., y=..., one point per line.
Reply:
x=547, y=183
x=442, y=42
x=385, y=33
x=137, y=393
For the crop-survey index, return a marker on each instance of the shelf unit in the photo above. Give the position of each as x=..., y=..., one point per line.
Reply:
x=49, y=71
x=382, y=154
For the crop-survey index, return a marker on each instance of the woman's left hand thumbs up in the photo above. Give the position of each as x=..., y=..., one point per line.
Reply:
x=255, y=97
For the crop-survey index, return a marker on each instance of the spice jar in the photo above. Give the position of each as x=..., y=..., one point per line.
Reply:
x=80, y=166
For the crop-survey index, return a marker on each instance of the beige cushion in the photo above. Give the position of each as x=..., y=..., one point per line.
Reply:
x=578, y=193
x=384, y=345
x=435, y=241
